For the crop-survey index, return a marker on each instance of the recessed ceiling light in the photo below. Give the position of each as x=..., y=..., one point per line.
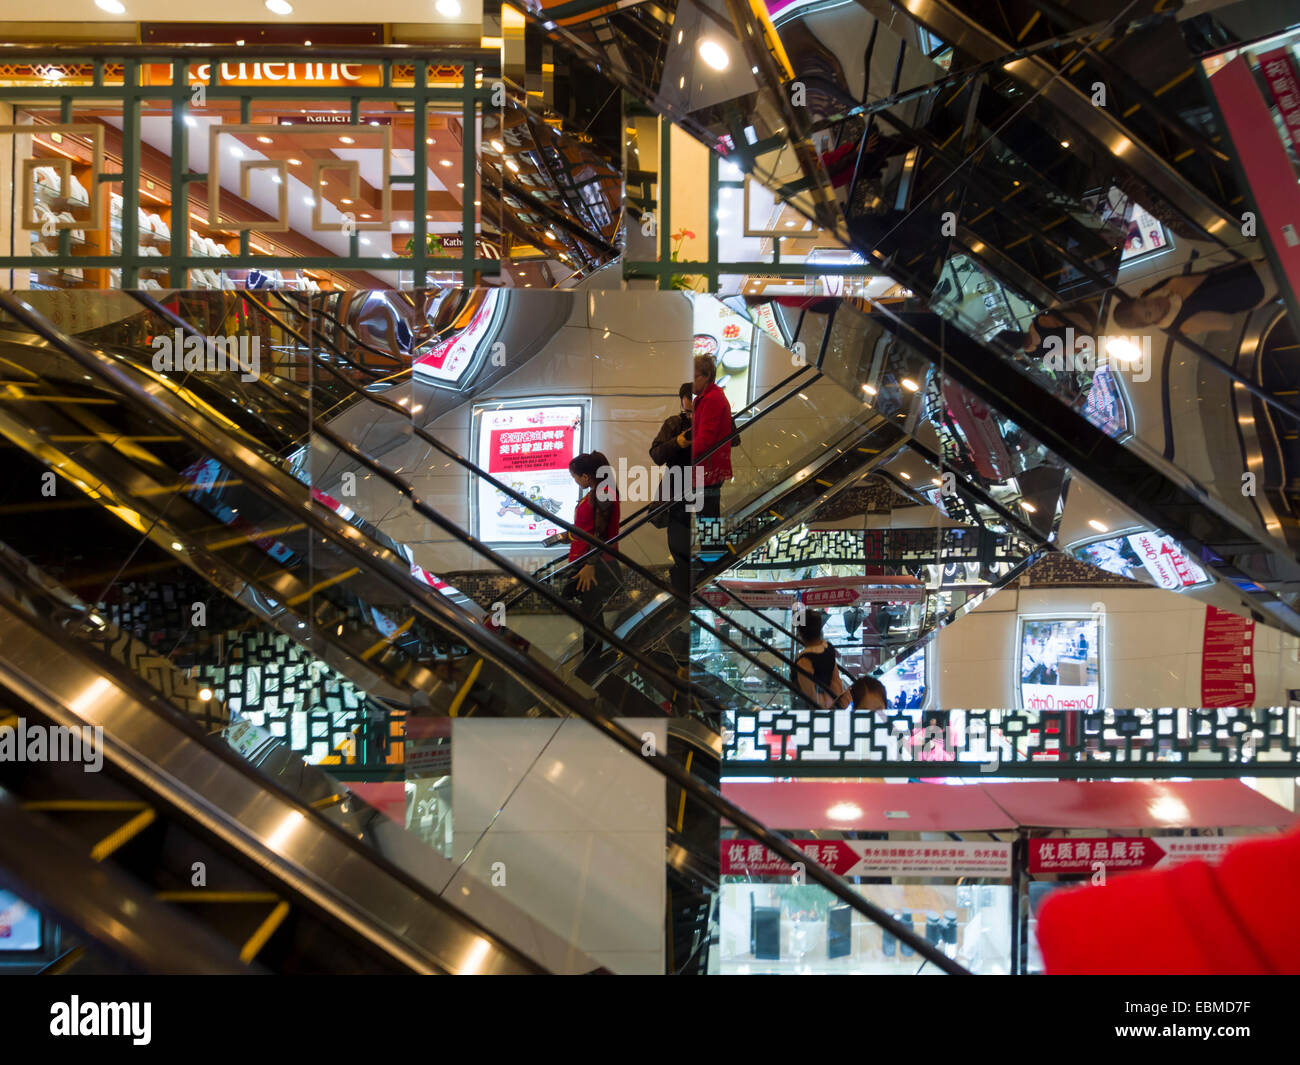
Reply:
x=365, y=216
x=445, y=162
x=1029, y=507
x=176, y=546
x=113, y=7
x=909, y=384
x=905, y=476
x=295, y=162
x=869, y=390
x=1098, y=525
x=306, y=44
x=447, y=8
x=1065, y=144
x=346, y=140
x=263, y=140
x=550, y=235
x=345, y=201
x=279, y=7
x=498, y=147
x=714, y=54
x=460, y=184
x=478, y=203
x=512, y=165
x=240, y=43
x=428, y=140
x=309, y=201
x=205, y=694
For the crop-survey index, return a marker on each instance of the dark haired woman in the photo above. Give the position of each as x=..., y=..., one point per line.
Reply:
x=597, y=513
x=815, y=674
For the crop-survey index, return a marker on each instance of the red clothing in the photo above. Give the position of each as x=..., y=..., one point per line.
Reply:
x=584, y=517
x=1241, y=917
x=712, y=423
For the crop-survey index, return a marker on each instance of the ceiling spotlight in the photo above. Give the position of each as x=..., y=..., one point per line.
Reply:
x=905, y=476
x=205, y=694
x=346, y=140
x=498, y=147
x=714, y=54
x=113, y=7
x=1098, y=525
x=428, y=140
x=909, y=384
x=176, y=545
x=869, y=390
x=1029, y=507
x=279, y=7
x=447, y=8
x=263, y=140
x=1065, y=144
x=345, y=201
x=512, y=165
x=445, y=162
x=460, y=184
x=295, y=162
x=550, y=235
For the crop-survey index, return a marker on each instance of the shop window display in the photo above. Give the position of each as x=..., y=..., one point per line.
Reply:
x=787, y=928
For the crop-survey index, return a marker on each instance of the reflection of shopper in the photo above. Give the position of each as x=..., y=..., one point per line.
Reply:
x=815, y=674
x=672, y=450
x=1194, y=303
x=868, y=693
x=597, y=513
x=713, y=427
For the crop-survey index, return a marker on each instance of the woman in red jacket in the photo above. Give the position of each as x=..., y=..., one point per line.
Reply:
x=597, y=513
x=712, y=426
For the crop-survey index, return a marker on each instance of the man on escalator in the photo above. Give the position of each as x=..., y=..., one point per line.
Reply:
x=672, y=450
x=713, y=427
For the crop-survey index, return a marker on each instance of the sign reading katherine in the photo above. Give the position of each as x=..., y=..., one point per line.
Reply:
x=273, y=73
x=872, y=857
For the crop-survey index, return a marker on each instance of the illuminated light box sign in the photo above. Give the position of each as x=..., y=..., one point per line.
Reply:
x=1059, y=663
x=448, y=361
x=528, y=448
x=872, y=857
x=1129, y=854
x=273, y=73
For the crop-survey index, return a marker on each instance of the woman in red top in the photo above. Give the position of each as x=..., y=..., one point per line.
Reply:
x=712, y=425
x=597, y=513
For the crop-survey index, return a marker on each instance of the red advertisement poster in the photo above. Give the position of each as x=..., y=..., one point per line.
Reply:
x=872, y=857
x=1122, y=855
x=526, y=450
x=1227, y=659
x=1279, y=72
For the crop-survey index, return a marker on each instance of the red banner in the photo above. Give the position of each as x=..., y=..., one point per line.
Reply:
x=1284, y=85
x=872, y=857
x=1122, y=855
x=527, y=450
x=1227, y=664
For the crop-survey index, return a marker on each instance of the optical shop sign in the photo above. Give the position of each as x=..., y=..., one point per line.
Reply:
x=1122, y=855
x=872, y=857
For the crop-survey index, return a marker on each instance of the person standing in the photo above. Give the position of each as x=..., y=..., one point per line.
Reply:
x=713, y=426
x=597, y=513
x=672, y=450
x=815, y=673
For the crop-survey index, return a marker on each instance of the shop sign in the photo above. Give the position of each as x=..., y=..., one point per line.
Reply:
x=765, y=316
x=1128, y=854
x=290, y=72
x=1284, y=86
x=872, y=857
x=1165, y=562
x=330, y=118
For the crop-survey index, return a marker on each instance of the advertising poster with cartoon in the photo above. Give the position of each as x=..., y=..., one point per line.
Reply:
x=528, y=448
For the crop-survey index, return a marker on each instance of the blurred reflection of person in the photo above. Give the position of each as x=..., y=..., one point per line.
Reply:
x=1194, y=303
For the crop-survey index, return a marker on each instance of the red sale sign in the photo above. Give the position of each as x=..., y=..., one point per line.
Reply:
x=528, y=449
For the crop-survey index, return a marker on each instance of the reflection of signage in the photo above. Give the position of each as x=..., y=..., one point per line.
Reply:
x=529, y=449
x=1122, y=855
x=1165, y=562
x=765, y=316
x=449, y=359
x=20, y=925
x=872, y=857
x=273, y=73
x=1279, y=72
x=485, y=249
x=1105, y=406
x=817, y=592
x=1227, y=662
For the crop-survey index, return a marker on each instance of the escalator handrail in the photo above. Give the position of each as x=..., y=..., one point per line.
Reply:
x=509, y=656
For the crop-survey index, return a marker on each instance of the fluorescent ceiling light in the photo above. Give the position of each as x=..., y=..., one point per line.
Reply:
x=279, y=7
